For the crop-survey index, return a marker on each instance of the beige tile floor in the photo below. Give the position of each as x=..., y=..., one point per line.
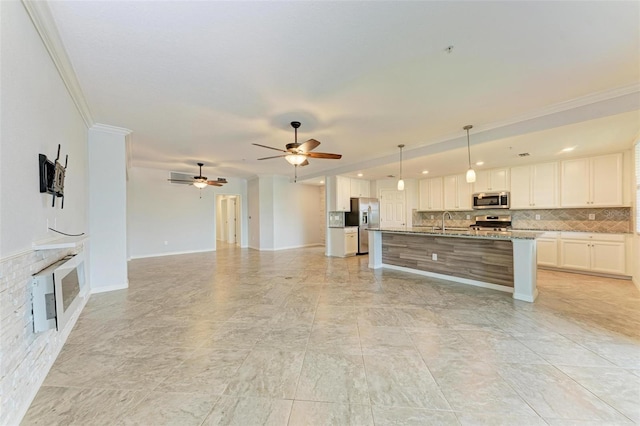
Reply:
x=249, y=338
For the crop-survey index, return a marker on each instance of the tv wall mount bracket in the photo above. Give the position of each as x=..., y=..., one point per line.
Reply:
x=52, y=176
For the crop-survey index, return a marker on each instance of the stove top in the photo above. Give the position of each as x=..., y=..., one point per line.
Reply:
x=492, y=223
x=490, y=228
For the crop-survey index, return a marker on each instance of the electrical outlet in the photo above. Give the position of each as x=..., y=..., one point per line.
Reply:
x=434, y=256
x=432, y=217
x=468, y=216
x=592, y=216
x=537, y=217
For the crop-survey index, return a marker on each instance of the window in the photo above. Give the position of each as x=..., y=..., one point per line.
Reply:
x=637, y=158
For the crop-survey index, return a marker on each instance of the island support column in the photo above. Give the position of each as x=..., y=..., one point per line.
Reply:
x=375, y=249
x=524, y=270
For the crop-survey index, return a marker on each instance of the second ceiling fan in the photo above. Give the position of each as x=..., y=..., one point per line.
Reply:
x=297, y=154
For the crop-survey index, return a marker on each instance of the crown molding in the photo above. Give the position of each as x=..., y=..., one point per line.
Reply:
x=590, y=99
x=110, y=129
x=595, y=105
x=45, y=25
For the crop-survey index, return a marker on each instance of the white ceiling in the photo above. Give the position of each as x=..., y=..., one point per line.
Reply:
x=202, y=80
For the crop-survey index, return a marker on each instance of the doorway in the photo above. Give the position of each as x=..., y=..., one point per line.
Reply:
x=228, y=228
x=392, y=208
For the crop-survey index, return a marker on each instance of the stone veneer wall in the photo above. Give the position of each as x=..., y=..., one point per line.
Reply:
x=26, y=357
x=611, y=220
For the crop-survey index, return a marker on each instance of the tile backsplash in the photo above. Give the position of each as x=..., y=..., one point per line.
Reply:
x=613, y=220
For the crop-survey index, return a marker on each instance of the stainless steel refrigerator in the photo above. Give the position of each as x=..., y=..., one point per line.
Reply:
x=365, y=214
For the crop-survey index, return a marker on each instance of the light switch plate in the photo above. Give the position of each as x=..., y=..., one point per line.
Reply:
x=434, y=256
x=537, y=217
x=592, y=216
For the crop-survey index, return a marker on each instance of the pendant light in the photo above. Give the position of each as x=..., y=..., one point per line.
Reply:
x=401, y=182
x=471, y=174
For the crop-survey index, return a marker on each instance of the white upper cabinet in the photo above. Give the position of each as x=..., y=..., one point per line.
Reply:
x=491, y=180
x=457, y=193
x=343, y=194
x=534, y=186
x=430, y=194
x=360, y=188
x=592, y=182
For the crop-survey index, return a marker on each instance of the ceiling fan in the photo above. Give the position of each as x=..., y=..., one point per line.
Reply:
x=200, y=181
x=298, y=154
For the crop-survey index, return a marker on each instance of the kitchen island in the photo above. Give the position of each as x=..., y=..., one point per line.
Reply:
x=503, y=261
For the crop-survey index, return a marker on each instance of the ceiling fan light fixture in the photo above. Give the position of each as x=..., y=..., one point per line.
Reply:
x=295, y=159
x=471, y=174
x=401, y=181
x=200, y=184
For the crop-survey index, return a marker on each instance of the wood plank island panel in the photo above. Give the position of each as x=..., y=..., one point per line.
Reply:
x=477, y=259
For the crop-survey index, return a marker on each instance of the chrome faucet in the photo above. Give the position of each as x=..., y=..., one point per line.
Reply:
x=443, y=215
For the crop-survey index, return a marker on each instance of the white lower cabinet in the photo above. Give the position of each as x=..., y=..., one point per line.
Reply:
x=604, y=253
x=547, y=249
x=343, y=241
x=351, y=242
x=575, y=254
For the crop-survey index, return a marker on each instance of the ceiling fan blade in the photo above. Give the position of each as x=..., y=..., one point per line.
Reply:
x=275, y=156
x=304, y=163
x=324, y=155
x=214, y=183
x=221, y=180
x=270, y=147
x=180, y=181
x=309, y=145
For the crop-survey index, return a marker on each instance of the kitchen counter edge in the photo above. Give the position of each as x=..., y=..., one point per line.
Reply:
x=502, y=235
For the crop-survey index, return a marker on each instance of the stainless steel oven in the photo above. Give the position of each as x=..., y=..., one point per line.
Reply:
x=491, y=200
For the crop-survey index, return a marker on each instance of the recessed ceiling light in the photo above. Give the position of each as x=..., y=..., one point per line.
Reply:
x=321, y=181
x=479, y=163
x=571, y=148
x=359, y=174
x=424, y=172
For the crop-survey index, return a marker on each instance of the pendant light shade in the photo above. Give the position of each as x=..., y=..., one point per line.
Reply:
x=471, y=174
x=200, y=184
x=401, y=182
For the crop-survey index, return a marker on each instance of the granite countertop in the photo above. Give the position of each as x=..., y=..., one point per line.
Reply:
x=463, y=233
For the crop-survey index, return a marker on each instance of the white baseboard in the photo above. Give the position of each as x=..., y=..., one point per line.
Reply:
x=292, y=247
x=173, y=253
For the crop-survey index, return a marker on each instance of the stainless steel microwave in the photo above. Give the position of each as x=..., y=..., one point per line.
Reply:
x=491, y=200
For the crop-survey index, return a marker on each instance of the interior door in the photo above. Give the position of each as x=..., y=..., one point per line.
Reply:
x=231, y=220
x=224, y=228
x=392, y=208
